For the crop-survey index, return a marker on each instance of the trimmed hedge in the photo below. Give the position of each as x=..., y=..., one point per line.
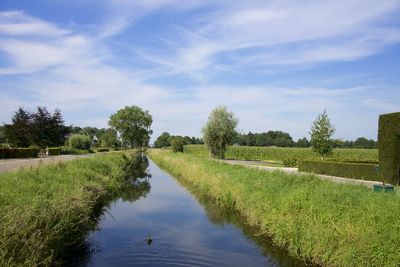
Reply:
x=54, y=151
x=363, y=171
x=10, y=153
x=389, y=146
x=103, y=149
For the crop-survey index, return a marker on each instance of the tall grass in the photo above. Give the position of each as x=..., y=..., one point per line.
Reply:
x=47, y=210
x=318, y=221
x=283, y=153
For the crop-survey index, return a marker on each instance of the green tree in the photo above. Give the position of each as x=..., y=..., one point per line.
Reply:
x=163, y=140
x=79, y=141
x=108, y=138
x=18, y=133
x=220, y=131
x=133, y=125
x=177, y=143
x=321, y=132
x=303, y=142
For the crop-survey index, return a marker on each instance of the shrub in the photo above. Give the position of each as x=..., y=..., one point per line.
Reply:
x=364, y=171
x=389, y=146
x=103, y=149
x=54, y=151
x=9, y=153
x=289, y=162
x=79, y=141
x=177, y=144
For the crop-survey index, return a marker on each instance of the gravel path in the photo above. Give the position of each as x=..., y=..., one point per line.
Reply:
x=256, y=164
x=16, y=164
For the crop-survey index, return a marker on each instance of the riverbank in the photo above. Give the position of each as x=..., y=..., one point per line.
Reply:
x=46, y=211
x=315, y=220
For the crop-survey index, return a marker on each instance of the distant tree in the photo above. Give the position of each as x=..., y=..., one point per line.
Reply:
x=219, y=131
x=133, y=125
x=79, y=141
x=108, y=138
x=303, y=142
x=163, y=140
x=177, y=143
x=18, y=133
x=321, y=132
x=363, y=142
x=3, y=139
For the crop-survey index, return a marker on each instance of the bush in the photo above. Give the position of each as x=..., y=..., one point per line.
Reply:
x=79, y=141
x=389, y=146
x=54, y=151
x=364, y=171
x=103, y=149
x=177, y=144
x=289, y=162
x=10, y=153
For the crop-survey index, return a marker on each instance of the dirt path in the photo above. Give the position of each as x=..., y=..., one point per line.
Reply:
x=257, y=165
x=16, y=164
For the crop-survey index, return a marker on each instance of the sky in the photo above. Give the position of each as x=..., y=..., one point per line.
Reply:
x=276, y=64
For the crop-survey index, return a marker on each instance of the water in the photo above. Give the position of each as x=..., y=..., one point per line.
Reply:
x=184, y=231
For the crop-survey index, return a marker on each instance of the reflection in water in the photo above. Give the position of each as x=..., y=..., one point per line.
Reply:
x=134, y=186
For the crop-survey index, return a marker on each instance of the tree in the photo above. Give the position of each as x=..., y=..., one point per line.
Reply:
x=219, y=131
x=108, y=138
x=303, y=142
x=321, y=132
x=177, y=143
x=163, y=140
x=133, y=125
x=18, y=133
x=362, y=142
x=79, y=141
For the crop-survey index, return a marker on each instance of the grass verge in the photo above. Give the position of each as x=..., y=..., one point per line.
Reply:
x=45, y=211
x=318, y=221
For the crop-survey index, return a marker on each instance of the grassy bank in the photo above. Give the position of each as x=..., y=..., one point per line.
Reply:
x=318, y=221
x=283, y=153
x=47, y=210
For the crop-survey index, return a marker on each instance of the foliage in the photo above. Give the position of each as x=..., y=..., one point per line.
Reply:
x=282, y=153
x=44, y=211
x=133, y=124
x=270, y=138
x=303, y=142
x=12, y=153
x=163, y=140
x=177, y=143
x=319, y=221
x=79, y=141
x=321, y=132
x=389, y=147
x=109, y=138
x=355, y=170
x=103, y=149
x=219, y=131
x=362, y=142
x=41, y=128
x=54, y=151
x=289, y=162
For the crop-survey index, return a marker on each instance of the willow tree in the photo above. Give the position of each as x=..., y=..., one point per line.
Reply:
x=220, y=131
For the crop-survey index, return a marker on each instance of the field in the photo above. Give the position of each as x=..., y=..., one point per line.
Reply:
x=283, y=153
x=317, y=221
x=47, y=210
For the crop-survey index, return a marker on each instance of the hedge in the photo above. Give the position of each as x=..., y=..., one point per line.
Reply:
x=103, y=149
x=363, y=171
x=389, y=146
x=9, y=153
x=54, y=151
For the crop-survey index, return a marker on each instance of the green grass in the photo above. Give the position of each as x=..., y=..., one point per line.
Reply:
x=47, y=210
x=282, y=153
x=319, y=221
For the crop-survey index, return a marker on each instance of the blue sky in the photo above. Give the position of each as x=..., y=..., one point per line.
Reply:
x=275, y=64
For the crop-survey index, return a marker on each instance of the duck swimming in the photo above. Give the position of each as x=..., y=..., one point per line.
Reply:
x=149, y=240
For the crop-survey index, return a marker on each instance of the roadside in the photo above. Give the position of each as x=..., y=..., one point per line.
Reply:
x=16, y=164
x=258, y=165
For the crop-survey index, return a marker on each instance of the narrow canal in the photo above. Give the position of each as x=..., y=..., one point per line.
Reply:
x=159, y=222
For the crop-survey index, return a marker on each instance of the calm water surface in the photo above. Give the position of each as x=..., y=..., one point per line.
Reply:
x=185, y=231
